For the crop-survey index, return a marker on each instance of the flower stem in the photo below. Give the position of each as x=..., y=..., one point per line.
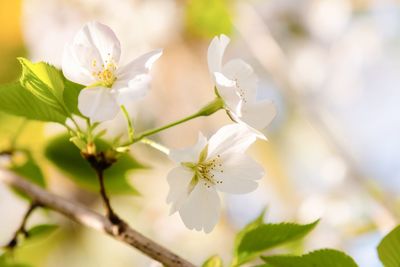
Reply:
x=129, y=122
x=207, y=110
x=155, y=145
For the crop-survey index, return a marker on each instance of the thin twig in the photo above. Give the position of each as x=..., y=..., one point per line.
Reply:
x=22, y=228
x=109, y=210
x=81, y=214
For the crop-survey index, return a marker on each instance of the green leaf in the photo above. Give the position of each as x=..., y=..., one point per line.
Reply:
x=389, y=249
x=71, y=94
x=214, y=261
x=6, y=260
x=29, y=170
x=16, y=100
x=318, y=258
x=3, y=259
x=45, y=82
x=207, y=18
x=17, y=265
x=253, y=224
x=68, y=159
x=41, y=230
x=259, y=238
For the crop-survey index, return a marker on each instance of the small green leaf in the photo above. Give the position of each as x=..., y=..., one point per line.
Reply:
x=6, y=260
x=29, y=170
x=214, y=261
x=259, y=238
x=16, y=100
x=45, y=82
x=389, y=249
x=41, y=230
x=253, y=224
x=2, y=259
x=207, y=18
x=318, y=258
x=67, y=158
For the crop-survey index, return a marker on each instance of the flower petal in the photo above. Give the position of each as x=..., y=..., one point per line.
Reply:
x=93, y=46
x=238, y=174
x=259, y=114
x=77, y=68
x=232, y=138
x=102, y=37
x=98, y=104
x=139, y=65
x=178, y=180
x=216, y=51
x=201, y=209
x=190, y=154
x=227, y=90
x=246, y=80
x=134, y=90
x=237, y=69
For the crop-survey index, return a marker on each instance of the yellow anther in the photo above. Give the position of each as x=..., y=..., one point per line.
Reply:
x=106, y=76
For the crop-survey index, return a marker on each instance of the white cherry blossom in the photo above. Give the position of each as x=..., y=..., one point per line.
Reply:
x=217, y=165
x=92, y=59
x=236, y=84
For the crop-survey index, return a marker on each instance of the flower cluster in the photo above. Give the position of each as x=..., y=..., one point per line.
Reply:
x=219, y=164
x=91, y=59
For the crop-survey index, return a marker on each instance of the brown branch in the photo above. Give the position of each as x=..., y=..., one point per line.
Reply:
x=22, y=228
x=77, y=212
x=106, y=201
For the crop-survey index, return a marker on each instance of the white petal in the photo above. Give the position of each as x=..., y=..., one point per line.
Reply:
x=222, y=80
x=190, y=154
x=93, y=45
x=237, y=186
x=139, y=65
x=134, y=90
x=201, y=209
x=243, y=74
x=178, y=180
x=75, y=68
x=232, y=138
x=258, y=115
x=98, y=104
x=238, y=174
x=216, y=51
x=237, y=69
x=227, y=90
x=102, y=37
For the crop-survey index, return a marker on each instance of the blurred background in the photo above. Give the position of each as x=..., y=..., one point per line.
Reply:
x=331, y=66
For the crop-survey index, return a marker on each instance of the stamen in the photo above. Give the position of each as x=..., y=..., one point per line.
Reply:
x=106, y=75
x=205, y=171
x=241, y=92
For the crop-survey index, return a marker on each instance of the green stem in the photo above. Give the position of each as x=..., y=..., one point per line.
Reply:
x=155, y=145
x=129, y=122
x=89, y=131
x=207, y=110
x=75, y=123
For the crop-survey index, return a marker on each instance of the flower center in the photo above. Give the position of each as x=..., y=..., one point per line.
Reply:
x=206, y=171
x=106, y=75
